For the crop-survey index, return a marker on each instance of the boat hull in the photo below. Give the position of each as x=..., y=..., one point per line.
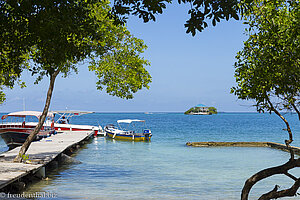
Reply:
x=74, y=127
x=69, y=127
x=15, y=129
x=127, y=137
x=15, y=138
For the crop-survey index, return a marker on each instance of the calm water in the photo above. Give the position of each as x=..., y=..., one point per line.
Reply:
x=166, y=168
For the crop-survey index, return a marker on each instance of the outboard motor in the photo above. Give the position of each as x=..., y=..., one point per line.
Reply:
x=147, y=133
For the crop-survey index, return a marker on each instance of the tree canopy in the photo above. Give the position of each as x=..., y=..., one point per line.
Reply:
x=58, y=35
x=268, y=65
x=201, y=12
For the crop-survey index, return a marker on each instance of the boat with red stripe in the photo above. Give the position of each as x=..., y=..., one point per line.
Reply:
x=63, y=122
x=17, y=126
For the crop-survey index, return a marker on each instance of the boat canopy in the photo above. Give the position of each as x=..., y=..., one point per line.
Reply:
x=128, y=121
x=65, y=115
x=71, y=112
x=26, y=113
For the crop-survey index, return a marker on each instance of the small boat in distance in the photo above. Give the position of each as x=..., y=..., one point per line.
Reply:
x=17, y=126
x=132, y=132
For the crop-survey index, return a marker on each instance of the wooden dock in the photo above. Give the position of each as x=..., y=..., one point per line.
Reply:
x=40, y=153
x=243, y=144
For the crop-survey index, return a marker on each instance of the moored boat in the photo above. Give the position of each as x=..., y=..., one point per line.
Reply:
x=131, y=132
x=62, y=123
x=17, y=126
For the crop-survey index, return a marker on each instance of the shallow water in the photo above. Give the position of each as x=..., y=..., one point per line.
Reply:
x=166, y=168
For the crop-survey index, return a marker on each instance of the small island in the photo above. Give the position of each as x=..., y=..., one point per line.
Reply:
x=201, y=109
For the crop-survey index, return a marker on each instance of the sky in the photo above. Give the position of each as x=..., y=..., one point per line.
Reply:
x=185, y=71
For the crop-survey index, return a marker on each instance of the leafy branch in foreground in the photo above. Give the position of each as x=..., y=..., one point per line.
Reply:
x=268, y=72
x=201, y=12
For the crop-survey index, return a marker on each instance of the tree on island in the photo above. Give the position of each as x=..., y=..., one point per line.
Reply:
x=210, y=110
x=268, y=72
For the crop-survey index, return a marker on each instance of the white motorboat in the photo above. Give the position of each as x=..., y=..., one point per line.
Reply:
x=128, y=132
x=63, y=122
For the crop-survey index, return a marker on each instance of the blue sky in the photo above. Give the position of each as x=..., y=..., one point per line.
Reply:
x=186, y=71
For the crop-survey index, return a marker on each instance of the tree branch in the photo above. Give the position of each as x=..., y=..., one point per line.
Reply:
x=274, y=194
x=288, y=128
x=291, y=176
x=282, y=169
x=296, y=109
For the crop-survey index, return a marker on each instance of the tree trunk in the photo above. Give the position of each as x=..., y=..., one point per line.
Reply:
x=42, y=118
x=288, y=128
x=296, y=109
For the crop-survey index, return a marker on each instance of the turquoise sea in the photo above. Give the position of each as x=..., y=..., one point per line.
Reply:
x=166, y=168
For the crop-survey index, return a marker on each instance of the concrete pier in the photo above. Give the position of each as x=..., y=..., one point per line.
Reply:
x=40, y=154
x=243, y=144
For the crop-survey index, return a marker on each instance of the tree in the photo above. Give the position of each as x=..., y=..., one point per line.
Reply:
x=56, y=36
x=212, y=110
x=268, y=72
